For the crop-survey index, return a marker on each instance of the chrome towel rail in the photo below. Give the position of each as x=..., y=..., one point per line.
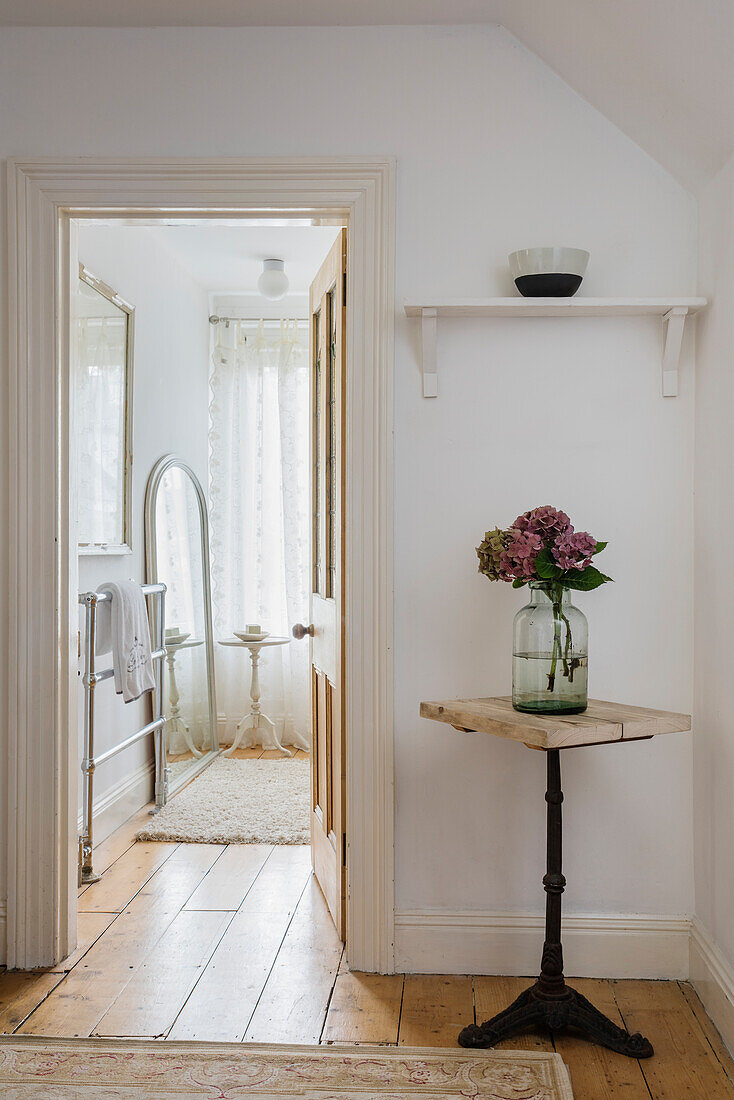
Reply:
x=90, y=679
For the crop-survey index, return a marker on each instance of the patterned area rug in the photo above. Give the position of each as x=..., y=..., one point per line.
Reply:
x=239, y=802
x=108, y=1069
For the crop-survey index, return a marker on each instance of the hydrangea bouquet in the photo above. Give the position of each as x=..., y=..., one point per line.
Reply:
x=542, y=549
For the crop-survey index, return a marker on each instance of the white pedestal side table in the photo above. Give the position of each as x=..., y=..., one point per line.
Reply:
x=255, y=721
x=175, y=723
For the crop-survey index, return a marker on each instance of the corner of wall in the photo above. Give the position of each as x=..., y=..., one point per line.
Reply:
x=712, y=977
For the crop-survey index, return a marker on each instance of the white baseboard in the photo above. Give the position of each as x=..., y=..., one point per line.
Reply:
x=478, y=942
x=712, y=976
x=121, y=801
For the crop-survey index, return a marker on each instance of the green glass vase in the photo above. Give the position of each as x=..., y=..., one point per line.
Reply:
x=550, y=654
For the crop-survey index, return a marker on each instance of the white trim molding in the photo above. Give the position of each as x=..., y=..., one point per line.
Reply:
x=120, y=801
x=480, y=942
x=712, y=976
x=40, y=749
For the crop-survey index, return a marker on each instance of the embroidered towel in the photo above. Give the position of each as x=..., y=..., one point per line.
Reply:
x=122, y=626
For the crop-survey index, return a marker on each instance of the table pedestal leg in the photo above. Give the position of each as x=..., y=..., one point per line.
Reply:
x=550, y=1001
x=175, y=723
x=256, y=720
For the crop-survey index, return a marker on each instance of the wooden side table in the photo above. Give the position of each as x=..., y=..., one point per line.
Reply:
x=550, y=1001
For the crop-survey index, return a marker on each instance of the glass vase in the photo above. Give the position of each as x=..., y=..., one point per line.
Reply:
x=550, y=654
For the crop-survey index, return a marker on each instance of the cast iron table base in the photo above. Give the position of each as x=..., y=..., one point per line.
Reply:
x=550, y=1001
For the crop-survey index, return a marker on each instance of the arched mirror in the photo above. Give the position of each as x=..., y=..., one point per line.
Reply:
x=177, y=553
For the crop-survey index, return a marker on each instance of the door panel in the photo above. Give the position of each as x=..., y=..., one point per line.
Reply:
x=327, y=343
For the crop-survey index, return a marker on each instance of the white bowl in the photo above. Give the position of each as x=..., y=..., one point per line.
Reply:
x=245, y=637
x=177, y=639
x=546, y=261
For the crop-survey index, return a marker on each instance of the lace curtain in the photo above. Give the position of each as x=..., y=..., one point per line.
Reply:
x=260, y=517
x=100, y=431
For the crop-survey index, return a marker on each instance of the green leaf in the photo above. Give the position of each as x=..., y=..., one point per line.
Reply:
x=546, y=567
x=600, y=546
x=517, y=583
x=584, y=580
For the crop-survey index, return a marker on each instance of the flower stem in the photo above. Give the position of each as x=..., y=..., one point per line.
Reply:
x=559, y=650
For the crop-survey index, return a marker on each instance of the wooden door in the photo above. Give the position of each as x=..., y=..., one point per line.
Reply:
x=327, y=349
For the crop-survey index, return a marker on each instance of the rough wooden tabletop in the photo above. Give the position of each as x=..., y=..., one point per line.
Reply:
x=600, y=723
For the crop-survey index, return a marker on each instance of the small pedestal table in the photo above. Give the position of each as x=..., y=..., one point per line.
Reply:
x=550, y=1001
x=255, y=722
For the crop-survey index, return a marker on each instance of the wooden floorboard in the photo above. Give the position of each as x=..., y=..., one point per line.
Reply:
x=684, y=1064
x=232, y=942
x=224, y=999
x=292, y=1006
x=76, y=1007
x=132, y=870
x=227, y=883
x=151, y=1000
x=89, y=928
x=21, y=992
x=279, y=885
x=364, y=1008
x=707, y=1027
x=435, y=1008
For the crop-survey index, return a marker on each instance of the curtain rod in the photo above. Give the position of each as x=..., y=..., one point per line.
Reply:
x=215, y=319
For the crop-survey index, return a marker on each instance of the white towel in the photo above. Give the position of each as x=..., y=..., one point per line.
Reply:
x=122, y=626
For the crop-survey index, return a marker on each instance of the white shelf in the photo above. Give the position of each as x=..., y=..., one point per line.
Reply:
x=673, y=312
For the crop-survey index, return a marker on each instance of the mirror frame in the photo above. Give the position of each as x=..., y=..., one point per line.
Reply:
x=161, y=468
x=126, y=546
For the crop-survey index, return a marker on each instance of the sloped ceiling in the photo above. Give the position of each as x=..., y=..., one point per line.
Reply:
x=661, y=70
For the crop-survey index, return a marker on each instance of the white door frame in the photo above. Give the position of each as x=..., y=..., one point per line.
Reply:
x=41, y=763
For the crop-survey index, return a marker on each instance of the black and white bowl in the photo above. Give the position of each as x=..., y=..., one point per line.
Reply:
x=548, y=272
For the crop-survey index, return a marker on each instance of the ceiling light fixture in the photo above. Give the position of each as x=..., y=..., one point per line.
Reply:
x=273, y=283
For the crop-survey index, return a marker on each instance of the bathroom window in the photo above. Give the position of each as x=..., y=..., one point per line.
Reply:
x=103, y=417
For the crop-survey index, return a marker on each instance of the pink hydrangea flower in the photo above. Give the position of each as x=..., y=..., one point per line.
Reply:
x=574, y=549
x=545, y=521
x=517, y=561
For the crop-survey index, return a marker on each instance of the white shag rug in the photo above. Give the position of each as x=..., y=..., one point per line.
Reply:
x=239, y=802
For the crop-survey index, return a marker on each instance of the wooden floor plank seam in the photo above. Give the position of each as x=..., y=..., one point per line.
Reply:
x=212, y=949
x=640, y=1061
x=331, y=994
x=140, y=887
x=152, y=949
x=233, y=915
x=168, y=1030
x=270, y=971
x=400, y=1012
x=726, y=1063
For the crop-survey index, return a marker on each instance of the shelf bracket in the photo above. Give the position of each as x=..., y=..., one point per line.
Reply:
x=674, y=322
x=428, y=351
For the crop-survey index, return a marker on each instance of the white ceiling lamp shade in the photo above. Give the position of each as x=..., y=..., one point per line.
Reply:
x=273, y=283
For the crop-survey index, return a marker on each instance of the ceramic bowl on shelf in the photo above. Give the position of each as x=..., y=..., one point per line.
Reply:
x=548, y=272
x=245, y=637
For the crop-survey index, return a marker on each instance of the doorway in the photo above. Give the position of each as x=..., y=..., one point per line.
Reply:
x=236, y=375
x=362, y=191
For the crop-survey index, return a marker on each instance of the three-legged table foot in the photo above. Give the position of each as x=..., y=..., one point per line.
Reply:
x=569, y=1009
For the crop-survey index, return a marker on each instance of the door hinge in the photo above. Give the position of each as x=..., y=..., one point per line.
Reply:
x=344, y=849
x=344, y=288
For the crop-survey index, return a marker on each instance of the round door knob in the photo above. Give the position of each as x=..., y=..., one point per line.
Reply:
x=300, y=631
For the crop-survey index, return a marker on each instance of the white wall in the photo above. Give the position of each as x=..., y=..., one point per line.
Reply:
x=494, y=153
x=713, y=758
x=170, y=404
